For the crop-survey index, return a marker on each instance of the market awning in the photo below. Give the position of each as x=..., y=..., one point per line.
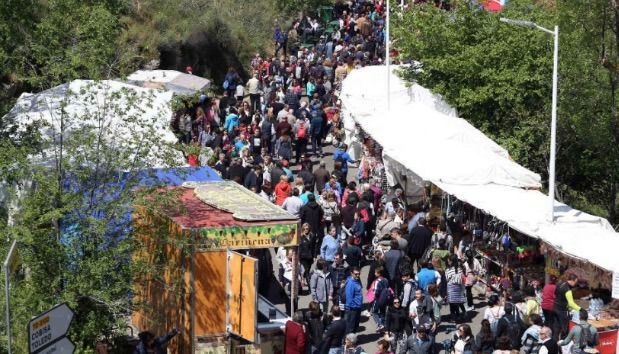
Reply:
x=463, y=162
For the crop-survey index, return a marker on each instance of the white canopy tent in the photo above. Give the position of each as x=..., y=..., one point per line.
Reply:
x=122, y=110
x=171, y=80
x=418, y=136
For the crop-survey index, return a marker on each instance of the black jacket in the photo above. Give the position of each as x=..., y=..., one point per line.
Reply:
x=334, y=335
x=420, y=238
x=237, y=173
x=395, y=319
x=312, y=213
x=308, y=179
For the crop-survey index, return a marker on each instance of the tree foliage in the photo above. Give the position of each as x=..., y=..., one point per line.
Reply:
x=73, y=220
x=499, y=78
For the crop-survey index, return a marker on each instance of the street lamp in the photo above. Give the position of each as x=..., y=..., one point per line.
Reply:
x=553, y=124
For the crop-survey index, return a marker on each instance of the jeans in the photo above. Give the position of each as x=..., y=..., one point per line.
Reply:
x=352, y=319
x=316, y=144
x=378, y=315
x=254, y=100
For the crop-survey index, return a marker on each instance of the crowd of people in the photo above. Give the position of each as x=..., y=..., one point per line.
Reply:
x=268, y=133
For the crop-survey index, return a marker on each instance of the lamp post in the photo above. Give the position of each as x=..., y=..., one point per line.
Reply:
x=553, y=124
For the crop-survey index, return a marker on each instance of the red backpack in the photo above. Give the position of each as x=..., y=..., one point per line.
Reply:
x=301, y=131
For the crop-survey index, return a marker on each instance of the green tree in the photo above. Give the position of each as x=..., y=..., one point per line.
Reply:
x=499, y=78
x=72, y=211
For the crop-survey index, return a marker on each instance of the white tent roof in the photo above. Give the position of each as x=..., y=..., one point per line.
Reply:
x=125, y=110
x=419, y=133
x=574, y=232
x=172, y=80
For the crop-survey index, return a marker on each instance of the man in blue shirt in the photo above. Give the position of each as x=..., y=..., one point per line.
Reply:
x=354, y=300
x=342, y=156
x=427, y=276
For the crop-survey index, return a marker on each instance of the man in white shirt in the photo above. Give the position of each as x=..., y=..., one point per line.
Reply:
x=253, y=88
x=293, y=203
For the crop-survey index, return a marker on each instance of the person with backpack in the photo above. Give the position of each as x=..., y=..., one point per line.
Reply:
x=409, y=286
x=421, y=311
x=300, y=131
x=494, y=312
x=583, y=335
x=340, y=155
x=321, y=287
x=511, y=325
x=379, y=296
x=530, y=339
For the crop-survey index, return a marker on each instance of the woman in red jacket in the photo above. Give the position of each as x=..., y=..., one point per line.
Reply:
x=296, y=336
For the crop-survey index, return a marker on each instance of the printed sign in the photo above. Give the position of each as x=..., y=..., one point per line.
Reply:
x=48, y=327
x=265, y=236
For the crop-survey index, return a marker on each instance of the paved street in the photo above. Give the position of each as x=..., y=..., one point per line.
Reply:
x=367, y=334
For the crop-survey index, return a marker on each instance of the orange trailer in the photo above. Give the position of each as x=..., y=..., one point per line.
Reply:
x=189, y=275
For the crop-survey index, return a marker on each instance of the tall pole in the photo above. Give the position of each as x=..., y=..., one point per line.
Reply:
x=553, y=126
x=387, y=58
x=7, y=294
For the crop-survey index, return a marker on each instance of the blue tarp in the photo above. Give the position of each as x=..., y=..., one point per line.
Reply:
x=119, y=226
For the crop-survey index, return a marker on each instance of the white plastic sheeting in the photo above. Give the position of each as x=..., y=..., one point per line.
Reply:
x=437, y=147
x=125, y=110
x=171, y=80
x=420, y=134
x=574, y=232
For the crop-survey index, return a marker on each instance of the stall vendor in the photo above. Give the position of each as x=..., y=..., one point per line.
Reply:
x=564, y=301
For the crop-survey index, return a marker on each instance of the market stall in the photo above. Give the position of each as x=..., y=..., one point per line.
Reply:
x=205, y=284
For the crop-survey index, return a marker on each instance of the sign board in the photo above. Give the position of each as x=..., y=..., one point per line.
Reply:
x=49, y=327
x=242, y=296
x=259, y=236
x=63, y=346
x=615, y=287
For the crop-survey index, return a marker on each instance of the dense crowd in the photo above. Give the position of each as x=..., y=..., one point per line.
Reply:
x=267, y=134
